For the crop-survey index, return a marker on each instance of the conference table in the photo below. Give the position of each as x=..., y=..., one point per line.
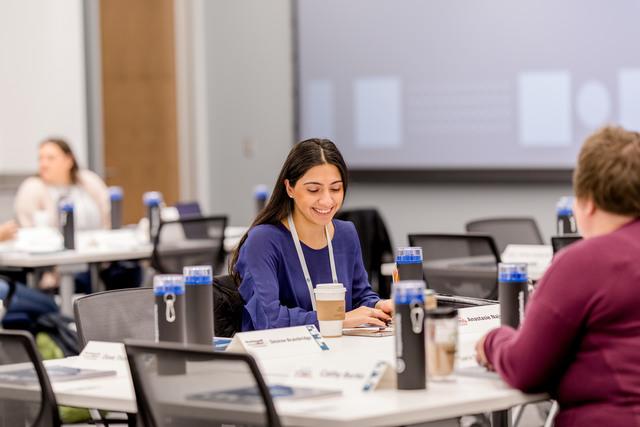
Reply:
x=93, y=248
x=470, y=391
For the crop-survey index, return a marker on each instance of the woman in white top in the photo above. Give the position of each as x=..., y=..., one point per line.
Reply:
x=60, y=177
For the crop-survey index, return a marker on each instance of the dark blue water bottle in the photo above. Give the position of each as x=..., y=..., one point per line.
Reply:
x=565, y=220
x=408, y=323
x=409, y=263
x=169, y=307
x=261, y=194
x=67, y=223
x=115, y=195
x=513, y=292
x=153, y=201
x=169, y=314
x=198, y=280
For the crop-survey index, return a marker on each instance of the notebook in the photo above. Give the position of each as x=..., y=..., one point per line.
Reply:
x=251, y=395
x=28, y=376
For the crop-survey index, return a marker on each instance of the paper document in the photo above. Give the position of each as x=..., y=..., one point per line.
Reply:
x=27, y=376
x=251, y=395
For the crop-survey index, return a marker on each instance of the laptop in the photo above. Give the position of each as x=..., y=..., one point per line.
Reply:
x=560, y=242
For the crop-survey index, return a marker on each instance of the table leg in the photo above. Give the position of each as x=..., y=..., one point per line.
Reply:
x=96, y=284
x=31, y=279
x=67, y=286
x=501, y=418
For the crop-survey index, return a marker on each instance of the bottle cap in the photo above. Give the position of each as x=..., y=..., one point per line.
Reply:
x=115, y=193
x=512, y=272
x=198, y=275
x=65, y=205
x=442, y=313
x=409, y=255
x=168, y=283
x=565, y=206
x=409, y=292
x=261, y=192
x=152, y=198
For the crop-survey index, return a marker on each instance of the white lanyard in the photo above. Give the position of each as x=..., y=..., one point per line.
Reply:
x=303, y=263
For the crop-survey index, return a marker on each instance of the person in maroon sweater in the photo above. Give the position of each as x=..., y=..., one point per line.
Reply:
x=580, y=340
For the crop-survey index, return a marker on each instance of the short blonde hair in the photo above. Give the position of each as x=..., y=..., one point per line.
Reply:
x=608, y=171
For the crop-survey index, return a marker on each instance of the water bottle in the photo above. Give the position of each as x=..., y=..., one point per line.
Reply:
x=67, y=223
x=153, y=201
x=198, y=282
x=169, y=308
x=513, y=290
x=408, y=324
x=169, y=315
x=261, y=194
x=115, y=195
x=565, y=222
x=409, y=263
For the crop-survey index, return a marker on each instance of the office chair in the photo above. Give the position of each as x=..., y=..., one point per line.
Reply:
x=189, y=241
x=37, y=406
x=463, y=265
x=178, y=385
x=128, y=313
x=115, y=315
x=505, y=231
x=375, y=244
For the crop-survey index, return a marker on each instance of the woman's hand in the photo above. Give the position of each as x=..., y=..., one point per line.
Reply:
x=385, y=305
x=8, y=230
x=481, y=357
x=362, y=315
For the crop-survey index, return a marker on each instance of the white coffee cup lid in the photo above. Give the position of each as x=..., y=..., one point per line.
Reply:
x=329, y=286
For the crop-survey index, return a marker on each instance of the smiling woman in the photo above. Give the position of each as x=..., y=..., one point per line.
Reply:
x=271, y=272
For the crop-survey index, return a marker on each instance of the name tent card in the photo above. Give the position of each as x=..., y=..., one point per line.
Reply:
x=349, y=374
x=281, y=342
x=473, y=323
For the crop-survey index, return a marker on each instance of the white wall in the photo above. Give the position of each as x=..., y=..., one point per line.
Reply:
x=250, y=88
x=416, y=208
x=250, y=102
x=42, y=80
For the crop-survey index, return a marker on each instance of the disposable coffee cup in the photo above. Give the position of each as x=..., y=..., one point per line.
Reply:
x=330, y=303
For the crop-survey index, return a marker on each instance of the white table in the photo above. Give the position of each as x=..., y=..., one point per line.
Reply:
x=465, y=395
x=93, y=248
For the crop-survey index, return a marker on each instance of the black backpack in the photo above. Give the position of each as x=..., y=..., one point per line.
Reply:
x=227, y=306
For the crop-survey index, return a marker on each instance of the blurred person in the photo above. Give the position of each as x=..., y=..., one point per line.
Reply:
x=60, y=177
x=580, y=339
x=8, y=230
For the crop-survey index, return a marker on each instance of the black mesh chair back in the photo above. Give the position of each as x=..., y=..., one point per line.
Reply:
x=505, y=231
x=375, y=244
x=26, y=396
x=189, y=241
x=191, y=386
x=115, y=315
x=463, y=265
x=561, y=242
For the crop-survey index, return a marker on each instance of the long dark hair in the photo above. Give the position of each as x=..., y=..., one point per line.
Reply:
x=302, y=157
x=66, y=149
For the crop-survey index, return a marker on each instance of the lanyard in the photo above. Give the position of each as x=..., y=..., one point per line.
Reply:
x=303, y=263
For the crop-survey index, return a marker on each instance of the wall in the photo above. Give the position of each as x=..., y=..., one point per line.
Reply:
x=250, y=87
x=250, y=102
x=42, y=80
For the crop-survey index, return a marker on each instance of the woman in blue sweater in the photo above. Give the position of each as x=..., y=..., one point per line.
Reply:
x=294, y=244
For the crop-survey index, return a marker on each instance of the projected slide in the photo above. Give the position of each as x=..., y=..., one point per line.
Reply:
x=451, y=84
